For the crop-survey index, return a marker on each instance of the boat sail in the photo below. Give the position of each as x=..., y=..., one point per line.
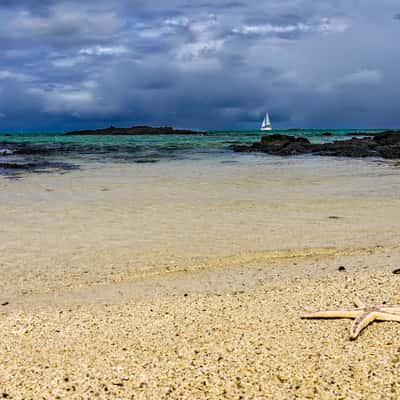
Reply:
x=266, y=124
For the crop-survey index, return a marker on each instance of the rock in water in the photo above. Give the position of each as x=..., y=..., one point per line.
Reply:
x=283, y=140
x=384, y=145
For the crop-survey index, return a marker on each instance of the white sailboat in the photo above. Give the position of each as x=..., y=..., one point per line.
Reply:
x=266, y=124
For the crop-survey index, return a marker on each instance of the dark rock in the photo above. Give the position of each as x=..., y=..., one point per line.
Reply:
x=135, y=130
x=283, y=140
x=387, y=138
x=241, y=148
x=344, y=148
x=277, y=144
x=341, y=268
x=6, y=303
x=390, y=152
x=384, y=145
x=326, y=134
x=148, y=161
x=396, y=271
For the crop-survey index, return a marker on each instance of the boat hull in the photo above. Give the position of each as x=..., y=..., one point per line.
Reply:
x=266, y=129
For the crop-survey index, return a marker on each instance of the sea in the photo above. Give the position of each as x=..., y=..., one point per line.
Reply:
x=30, y=153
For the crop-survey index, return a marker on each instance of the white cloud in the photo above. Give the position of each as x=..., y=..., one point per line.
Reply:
x=156, y=31
x=325, y=25
x=63, y=22
x=104, y=51
x=178, y=21
x=202, y=43
x=6, y=74
x=204, y=26
x=199, y=49
x=67, y=62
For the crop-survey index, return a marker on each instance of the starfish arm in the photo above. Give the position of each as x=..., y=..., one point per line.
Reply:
x=361, y=322
x=359, y=303
x=387, y=316
x=390, y=309
x=341, y=313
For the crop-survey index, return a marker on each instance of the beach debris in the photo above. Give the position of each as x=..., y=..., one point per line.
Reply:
x=363, y=315
x=396, y=271
x=341, y=268
x=6, y=303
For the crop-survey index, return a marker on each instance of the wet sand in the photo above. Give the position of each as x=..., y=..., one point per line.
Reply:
x=188, y=280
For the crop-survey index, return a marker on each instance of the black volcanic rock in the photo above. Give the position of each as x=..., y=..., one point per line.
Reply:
x=277, y=144
x=387, y=138
x=281, y=140
x=135, y=130
x=384, y=144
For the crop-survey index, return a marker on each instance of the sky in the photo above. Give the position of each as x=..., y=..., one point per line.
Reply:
x=199, y=64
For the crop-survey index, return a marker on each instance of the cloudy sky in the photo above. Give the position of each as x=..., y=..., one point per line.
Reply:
x=199, y=63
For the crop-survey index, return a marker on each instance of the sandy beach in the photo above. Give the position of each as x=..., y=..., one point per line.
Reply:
x=188, y=280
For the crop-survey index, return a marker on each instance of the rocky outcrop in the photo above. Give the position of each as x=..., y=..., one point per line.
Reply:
x=135, y=130
x=385, y=145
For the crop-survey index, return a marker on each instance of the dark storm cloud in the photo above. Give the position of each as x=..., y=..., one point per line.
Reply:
x=201, y=64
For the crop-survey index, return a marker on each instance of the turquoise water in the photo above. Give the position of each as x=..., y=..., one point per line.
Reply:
x=41, y=152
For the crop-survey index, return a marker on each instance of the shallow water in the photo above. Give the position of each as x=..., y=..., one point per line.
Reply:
x=22, y=153
x=115, y=222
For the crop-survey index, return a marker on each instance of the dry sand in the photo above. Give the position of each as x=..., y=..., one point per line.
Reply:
x=187, y=281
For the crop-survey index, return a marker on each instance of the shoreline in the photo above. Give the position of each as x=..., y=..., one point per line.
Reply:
x=279, y=264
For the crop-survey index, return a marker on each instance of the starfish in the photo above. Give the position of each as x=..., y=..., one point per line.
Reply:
x=363, y=315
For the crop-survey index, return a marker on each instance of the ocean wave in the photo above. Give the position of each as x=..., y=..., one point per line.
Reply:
x=6, y=152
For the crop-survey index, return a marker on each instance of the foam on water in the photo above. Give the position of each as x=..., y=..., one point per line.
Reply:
x=5, y=152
